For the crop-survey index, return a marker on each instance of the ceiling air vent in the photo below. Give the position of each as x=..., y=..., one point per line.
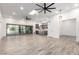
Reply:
x=27, y=18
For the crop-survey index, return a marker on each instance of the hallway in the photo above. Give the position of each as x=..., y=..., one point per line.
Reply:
x=38, y=45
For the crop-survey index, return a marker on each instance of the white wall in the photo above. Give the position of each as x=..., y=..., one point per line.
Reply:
x=0, y=30
x=2, y=26
x=53, y=27
x=68, y=27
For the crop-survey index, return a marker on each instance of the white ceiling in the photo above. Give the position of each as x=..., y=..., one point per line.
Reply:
x=8, y=8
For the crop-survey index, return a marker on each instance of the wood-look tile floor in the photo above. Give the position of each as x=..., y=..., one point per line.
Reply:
x=38, y=45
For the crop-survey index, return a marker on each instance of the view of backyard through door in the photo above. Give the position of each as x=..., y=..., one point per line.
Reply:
x=13, y=29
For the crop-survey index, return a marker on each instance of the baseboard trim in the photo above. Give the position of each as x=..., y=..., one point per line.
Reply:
x=53, y=37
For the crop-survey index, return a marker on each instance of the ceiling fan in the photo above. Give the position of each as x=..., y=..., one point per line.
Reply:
x=45, y=8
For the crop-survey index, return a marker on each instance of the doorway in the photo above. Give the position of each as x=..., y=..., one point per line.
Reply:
x=68, y=29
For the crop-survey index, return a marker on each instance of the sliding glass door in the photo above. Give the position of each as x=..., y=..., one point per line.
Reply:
x=18, y=29
x=22, y=29
x=28, y=29
x=12, y=29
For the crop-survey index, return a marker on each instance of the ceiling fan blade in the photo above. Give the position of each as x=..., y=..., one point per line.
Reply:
x=39, y=5
x=44, y=11
x=37, y=9
x=49, y=10
x=40, y=11
x=44, y=5
x=50, y=5
x=52, y=8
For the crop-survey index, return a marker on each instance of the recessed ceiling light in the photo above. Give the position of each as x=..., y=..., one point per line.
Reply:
x=22, y=8
x=76, y=4
x=14, y=13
